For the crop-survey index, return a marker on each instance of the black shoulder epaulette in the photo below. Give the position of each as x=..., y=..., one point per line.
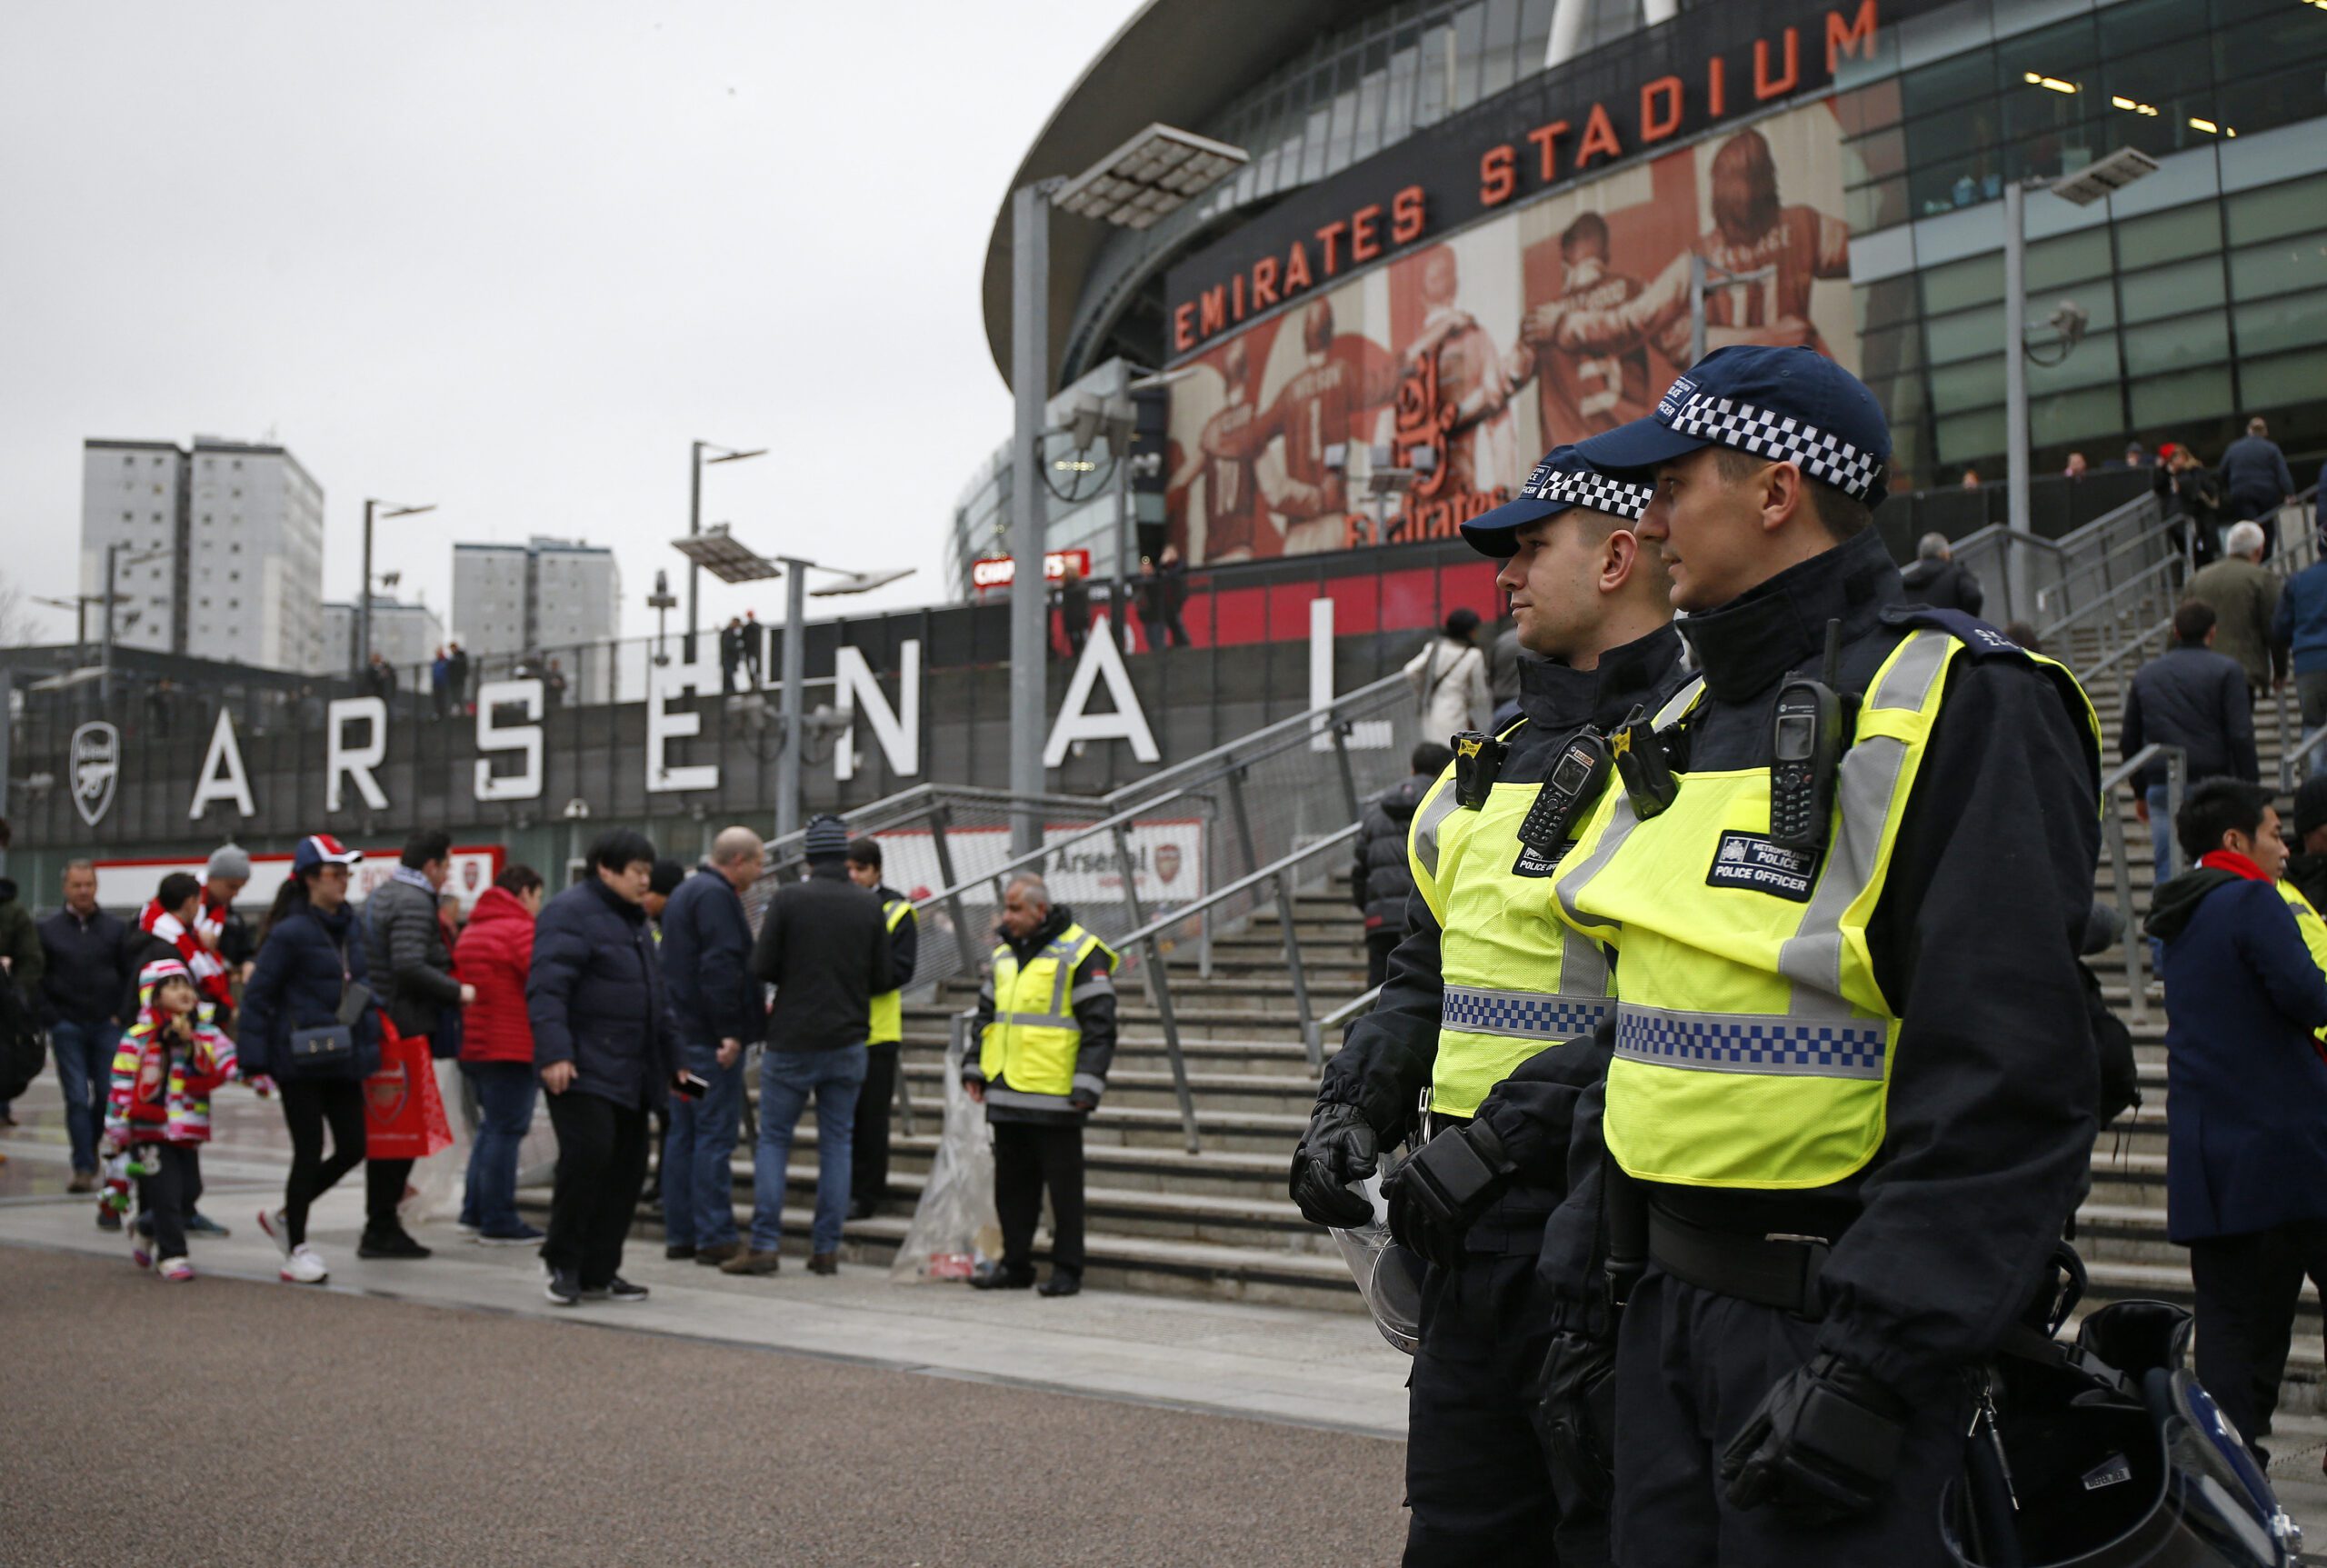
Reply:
x=1980, y=639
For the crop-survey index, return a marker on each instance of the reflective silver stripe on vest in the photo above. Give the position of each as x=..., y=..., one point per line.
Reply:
x=1521, y=1015
x=1813, y=957
x=1434, y=812
x=1750, y=1043
x=1021, y=1099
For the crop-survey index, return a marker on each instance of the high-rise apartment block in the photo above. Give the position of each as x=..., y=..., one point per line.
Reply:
x=406, y=636
x=544, y=595
x=220, y=549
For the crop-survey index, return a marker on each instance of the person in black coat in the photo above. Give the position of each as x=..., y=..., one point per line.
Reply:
x=2246, y=1164
x=1380, y=880
x=868, y=1151
x=1936, y=579
x=707, y=964
x=80, y=990
x=2192, y=697
x=608, y=1052
x=310, y=963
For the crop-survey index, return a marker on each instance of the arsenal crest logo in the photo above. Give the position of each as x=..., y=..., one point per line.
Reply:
x=388, y=1090
x=95, y=762
x=1167, y=862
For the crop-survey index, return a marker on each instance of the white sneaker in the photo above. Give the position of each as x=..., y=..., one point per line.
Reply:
x=277, y=1229
x=303, y=1265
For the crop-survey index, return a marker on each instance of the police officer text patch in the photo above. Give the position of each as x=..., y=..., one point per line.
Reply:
x=1533, y=862
x=1750, y=860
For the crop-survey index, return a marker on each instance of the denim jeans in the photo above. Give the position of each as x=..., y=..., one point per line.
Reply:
x=84, y=1073
x=698, y=1187
x=786, y=1079
x=506, y=1093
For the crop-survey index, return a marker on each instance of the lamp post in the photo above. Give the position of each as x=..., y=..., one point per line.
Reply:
x=696, y=462
x=373, y=509
x=113, y=596
x=1153, y=173
x=2087, y=185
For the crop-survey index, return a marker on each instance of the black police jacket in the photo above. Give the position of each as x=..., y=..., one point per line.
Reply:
x=1939, y=1240
x=1387, y=1055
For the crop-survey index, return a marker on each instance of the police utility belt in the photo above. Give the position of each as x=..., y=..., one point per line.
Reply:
x=1777, y=1270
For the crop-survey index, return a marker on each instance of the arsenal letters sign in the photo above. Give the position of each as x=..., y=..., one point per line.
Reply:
x=1715, y=65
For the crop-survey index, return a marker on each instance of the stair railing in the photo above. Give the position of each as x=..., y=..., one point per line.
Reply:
x=1149, y=939
x=1312, y=1036
x=2135, y=950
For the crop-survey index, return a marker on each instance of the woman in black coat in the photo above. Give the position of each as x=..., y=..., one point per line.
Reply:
x=607, y=1050
x=311, y=956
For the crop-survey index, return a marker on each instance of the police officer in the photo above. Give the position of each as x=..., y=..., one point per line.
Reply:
x=1484, y=979
x=1852, y=1080
x=868, y=1151
x=1046, y=1034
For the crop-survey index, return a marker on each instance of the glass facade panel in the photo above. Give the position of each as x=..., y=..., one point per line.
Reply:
x=2283, y=323
x=2075, y=416
x=2092, y=362
x=2185, y=342
x=1964, y=436
x=2069, y=258
x=1975, y=280
x=2291, y=208
x=1969, y=384
x=2168, y=289
x=1434, y=87
x=2191, y=231
x=2282, y=266
x=1498, y=65
x=1469, y=36
x=1966, y=334
x=2280, y=379
x=2192, y=394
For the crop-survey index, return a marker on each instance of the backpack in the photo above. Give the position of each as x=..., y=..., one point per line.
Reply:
x=23, y=1049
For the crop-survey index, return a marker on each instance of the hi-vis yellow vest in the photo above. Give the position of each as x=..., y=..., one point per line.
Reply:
x=1032, y=1039
x=1516, y=981
x=2308, y=921
x=889, y=1007
x=1754, y=1048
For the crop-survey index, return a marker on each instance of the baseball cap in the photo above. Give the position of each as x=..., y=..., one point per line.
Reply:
x=1562, y=480
x=1788, y=405
x=2311, y=806
x=320, y=849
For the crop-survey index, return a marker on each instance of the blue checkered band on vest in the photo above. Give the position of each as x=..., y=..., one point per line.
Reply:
x=1781, y=437
x=1712, y=1043
x=1525, y=1015
x=1599, y=492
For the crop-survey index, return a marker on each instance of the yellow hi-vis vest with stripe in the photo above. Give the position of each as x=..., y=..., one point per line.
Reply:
x=889, y=1007
x=1516, y=981
x=1754, y=1048
x=1033, y=1040
x=2307, y=920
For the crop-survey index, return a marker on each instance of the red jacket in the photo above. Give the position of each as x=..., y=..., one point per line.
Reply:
x=495, y=950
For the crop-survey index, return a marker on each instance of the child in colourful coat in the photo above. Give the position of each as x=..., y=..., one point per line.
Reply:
x=157, y=1116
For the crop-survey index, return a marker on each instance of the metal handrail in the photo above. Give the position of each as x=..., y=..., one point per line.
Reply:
x=1309, y=723
x=2139, y=580
x=1158, y=975
x=1313, y=1036
x=2134, y=950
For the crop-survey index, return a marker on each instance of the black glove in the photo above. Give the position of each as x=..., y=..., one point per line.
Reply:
x=1082, y=1099
x=1575, y=1416
x=1435, y=1196
x=1338, y=1148
x=1822, y=1446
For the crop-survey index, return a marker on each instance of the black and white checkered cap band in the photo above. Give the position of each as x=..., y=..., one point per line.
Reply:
x=1589, y=487
x=1781, y=436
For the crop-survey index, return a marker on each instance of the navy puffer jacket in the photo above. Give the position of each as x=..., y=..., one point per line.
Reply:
x=1381, y=879
x=297, y=986
x=596, y=997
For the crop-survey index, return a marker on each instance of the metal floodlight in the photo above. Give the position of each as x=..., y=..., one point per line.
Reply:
x=1157, y=172
x=1084, y=425
x=859, y=582
x=2104, y=177
x=726, y=557
x=661, y=598
x=1119, y=422
x=734, y=456
x=392, y=510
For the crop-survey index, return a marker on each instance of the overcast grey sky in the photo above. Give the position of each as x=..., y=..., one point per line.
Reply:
x=512, y=258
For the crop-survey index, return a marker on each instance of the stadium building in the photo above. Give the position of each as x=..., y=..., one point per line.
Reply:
x=1472, y=229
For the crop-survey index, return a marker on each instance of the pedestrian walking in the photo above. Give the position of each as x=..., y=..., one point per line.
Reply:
x=2192, y=697
x=884, y=1041
x=1449, y=680
x=715, y=1002
x=2246, y=1155
x=410, y=966
x=86, y=970
x=157, y=1113
x=457, y=676
x=1073, y=608
x=1936, y=579
x=1147, y=597
x=173, y=923
x=1484, y=985
x=608, y=1055
x=1046, y=1039
x=21, y=960
x=825, y=947
x=440, y=682
x=310, y=1023
x=2193, y=502
x=2244, y=594
x=493, y=959
x=2256, y=481
x=1840, y=1223
x=731, y=653
x=1174, y=572
x=1380, y=879
x=220, y=925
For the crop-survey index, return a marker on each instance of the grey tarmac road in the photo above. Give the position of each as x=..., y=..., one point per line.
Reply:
x=226, y=1422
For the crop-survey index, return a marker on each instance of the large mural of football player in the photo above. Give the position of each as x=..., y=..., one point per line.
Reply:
x=1754, y=230
x=1236, y=526
x=1450, y=379
x=1581, y=394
